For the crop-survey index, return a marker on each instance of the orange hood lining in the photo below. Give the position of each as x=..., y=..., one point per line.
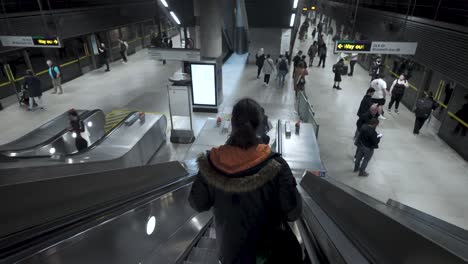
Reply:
x=231, y=160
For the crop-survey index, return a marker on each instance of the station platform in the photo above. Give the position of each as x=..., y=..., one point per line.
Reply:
x=422, y=172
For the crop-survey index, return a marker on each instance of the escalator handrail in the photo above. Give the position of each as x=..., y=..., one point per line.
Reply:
x=41, y=236
x=84, y=115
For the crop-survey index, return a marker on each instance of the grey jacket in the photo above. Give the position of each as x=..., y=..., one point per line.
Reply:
x=268, y=66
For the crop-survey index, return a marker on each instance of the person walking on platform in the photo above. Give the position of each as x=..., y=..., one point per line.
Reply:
x=314, y=32
x=462, y=113
x=104, y=56
x=283, y=69
x=33, y=85
x=338, y=69
x=312, y=52
x=288, y=57
x=296, y=61
x=352, y=63
x=380, y=94
x=322, y=53
x=366, y=102
x=77, y=127
x=123, y=50
x=397, y=90
x=367, y=141
x=259, y=61
x=252, y=192
x=56, y=77
x=424, y=108
x=268, y=69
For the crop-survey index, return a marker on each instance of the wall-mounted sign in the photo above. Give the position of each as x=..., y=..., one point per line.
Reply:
x=376, y=47
x=30, y=41
x=353, y=46
x=174, y=54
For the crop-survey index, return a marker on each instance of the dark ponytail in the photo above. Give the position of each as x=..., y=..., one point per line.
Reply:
x=245, y=120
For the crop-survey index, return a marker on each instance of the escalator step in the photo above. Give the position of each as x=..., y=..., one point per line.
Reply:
x=207, y=242
x=202, y=255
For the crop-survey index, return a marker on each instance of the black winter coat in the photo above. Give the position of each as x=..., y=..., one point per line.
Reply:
x=366, y=103
x=368, y=137
x=248, y=206
x=365, y=118
x=33, y=85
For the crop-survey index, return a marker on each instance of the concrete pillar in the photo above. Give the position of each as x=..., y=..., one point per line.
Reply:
x=210, y=36
x=241, y=36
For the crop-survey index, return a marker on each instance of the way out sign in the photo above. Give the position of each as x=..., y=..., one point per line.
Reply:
x=30, y=41
x=376, y=47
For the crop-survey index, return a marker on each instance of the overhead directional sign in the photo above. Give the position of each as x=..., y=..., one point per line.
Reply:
x=376, y=47
x=175, y=54
x=353, y=46
x=30, y=41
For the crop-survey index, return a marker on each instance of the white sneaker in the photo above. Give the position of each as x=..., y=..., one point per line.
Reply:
x=396, y=111
x=382, y=117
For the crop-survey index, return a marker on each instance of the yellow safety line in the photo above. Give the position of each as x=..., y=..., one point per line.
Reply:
x=4, y=84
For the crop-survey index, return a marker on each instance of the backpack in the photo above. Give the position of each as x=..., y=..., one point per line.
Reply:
x=301, y=83
x=283, y=65
x=424, y=108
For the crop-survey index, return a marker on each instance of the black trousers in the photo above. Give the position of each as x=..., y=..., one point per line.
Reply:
x=259, y=70
x=418, y=123
x=106, y=62
x=122, y=54
x=322, y=59
x=395, y=99
x=363, y=156
x=351, y=64
x=267, y=78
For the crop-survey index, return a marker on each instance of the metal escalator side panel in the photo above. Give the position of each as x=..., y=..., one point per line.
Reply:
x=382, y=237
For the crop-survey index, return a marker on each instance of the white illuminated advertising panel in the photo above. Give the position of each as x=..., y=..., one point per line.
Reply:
x=203, y=84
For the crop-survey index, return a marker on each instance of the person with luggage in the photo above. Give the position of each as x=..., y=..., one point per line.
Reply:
x=283, y=69
x=424, y=108
x=104, y=56
x=251, y=192
x=33, y=85
x=380, y=94
x=259, y=61
x=397, y=90
x=352, y=63
x=312, y=52
x=338, y=69
x=367, y=141
x=56, y=77
x=322, y=53
x=123, y=50
x=77, y=127
x=268, y=69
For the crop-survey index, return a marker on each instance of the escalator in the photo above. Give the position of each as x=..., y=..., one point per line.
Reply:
x=130, y=141
x=41, y=135
x=204, y=250
x=62, y=143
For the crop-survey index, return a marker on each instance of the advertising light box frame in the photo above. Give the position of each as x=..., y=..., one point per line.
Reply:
x=195, y=88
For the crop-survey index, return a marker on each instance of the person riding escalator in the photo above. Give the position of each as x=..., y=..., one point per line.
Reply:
x=77, y=127
x=253, y=194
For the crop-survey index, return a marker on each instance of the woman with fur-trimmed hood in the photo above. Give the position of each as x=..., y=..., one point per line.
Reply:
x=253, y=194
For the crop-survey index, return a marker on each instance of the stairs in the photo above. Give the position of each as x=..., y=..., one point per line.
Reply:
x=204, y=251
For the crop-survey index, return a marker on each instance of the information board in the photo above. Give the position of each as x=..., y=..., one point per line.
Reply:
x=174, y=54
x=30, y=41
x=376, y=47
x=203, y=84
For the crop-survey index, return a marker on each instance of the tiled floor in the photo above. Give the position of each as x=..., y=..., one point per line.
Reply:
x=422, y=171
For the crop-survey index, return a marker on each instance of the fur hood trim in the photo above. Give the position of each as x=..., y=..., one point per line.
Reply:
x=237, y=185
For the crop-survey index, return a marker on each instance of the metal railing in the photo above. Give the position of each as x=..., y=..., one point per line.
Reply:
x=306, y=111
